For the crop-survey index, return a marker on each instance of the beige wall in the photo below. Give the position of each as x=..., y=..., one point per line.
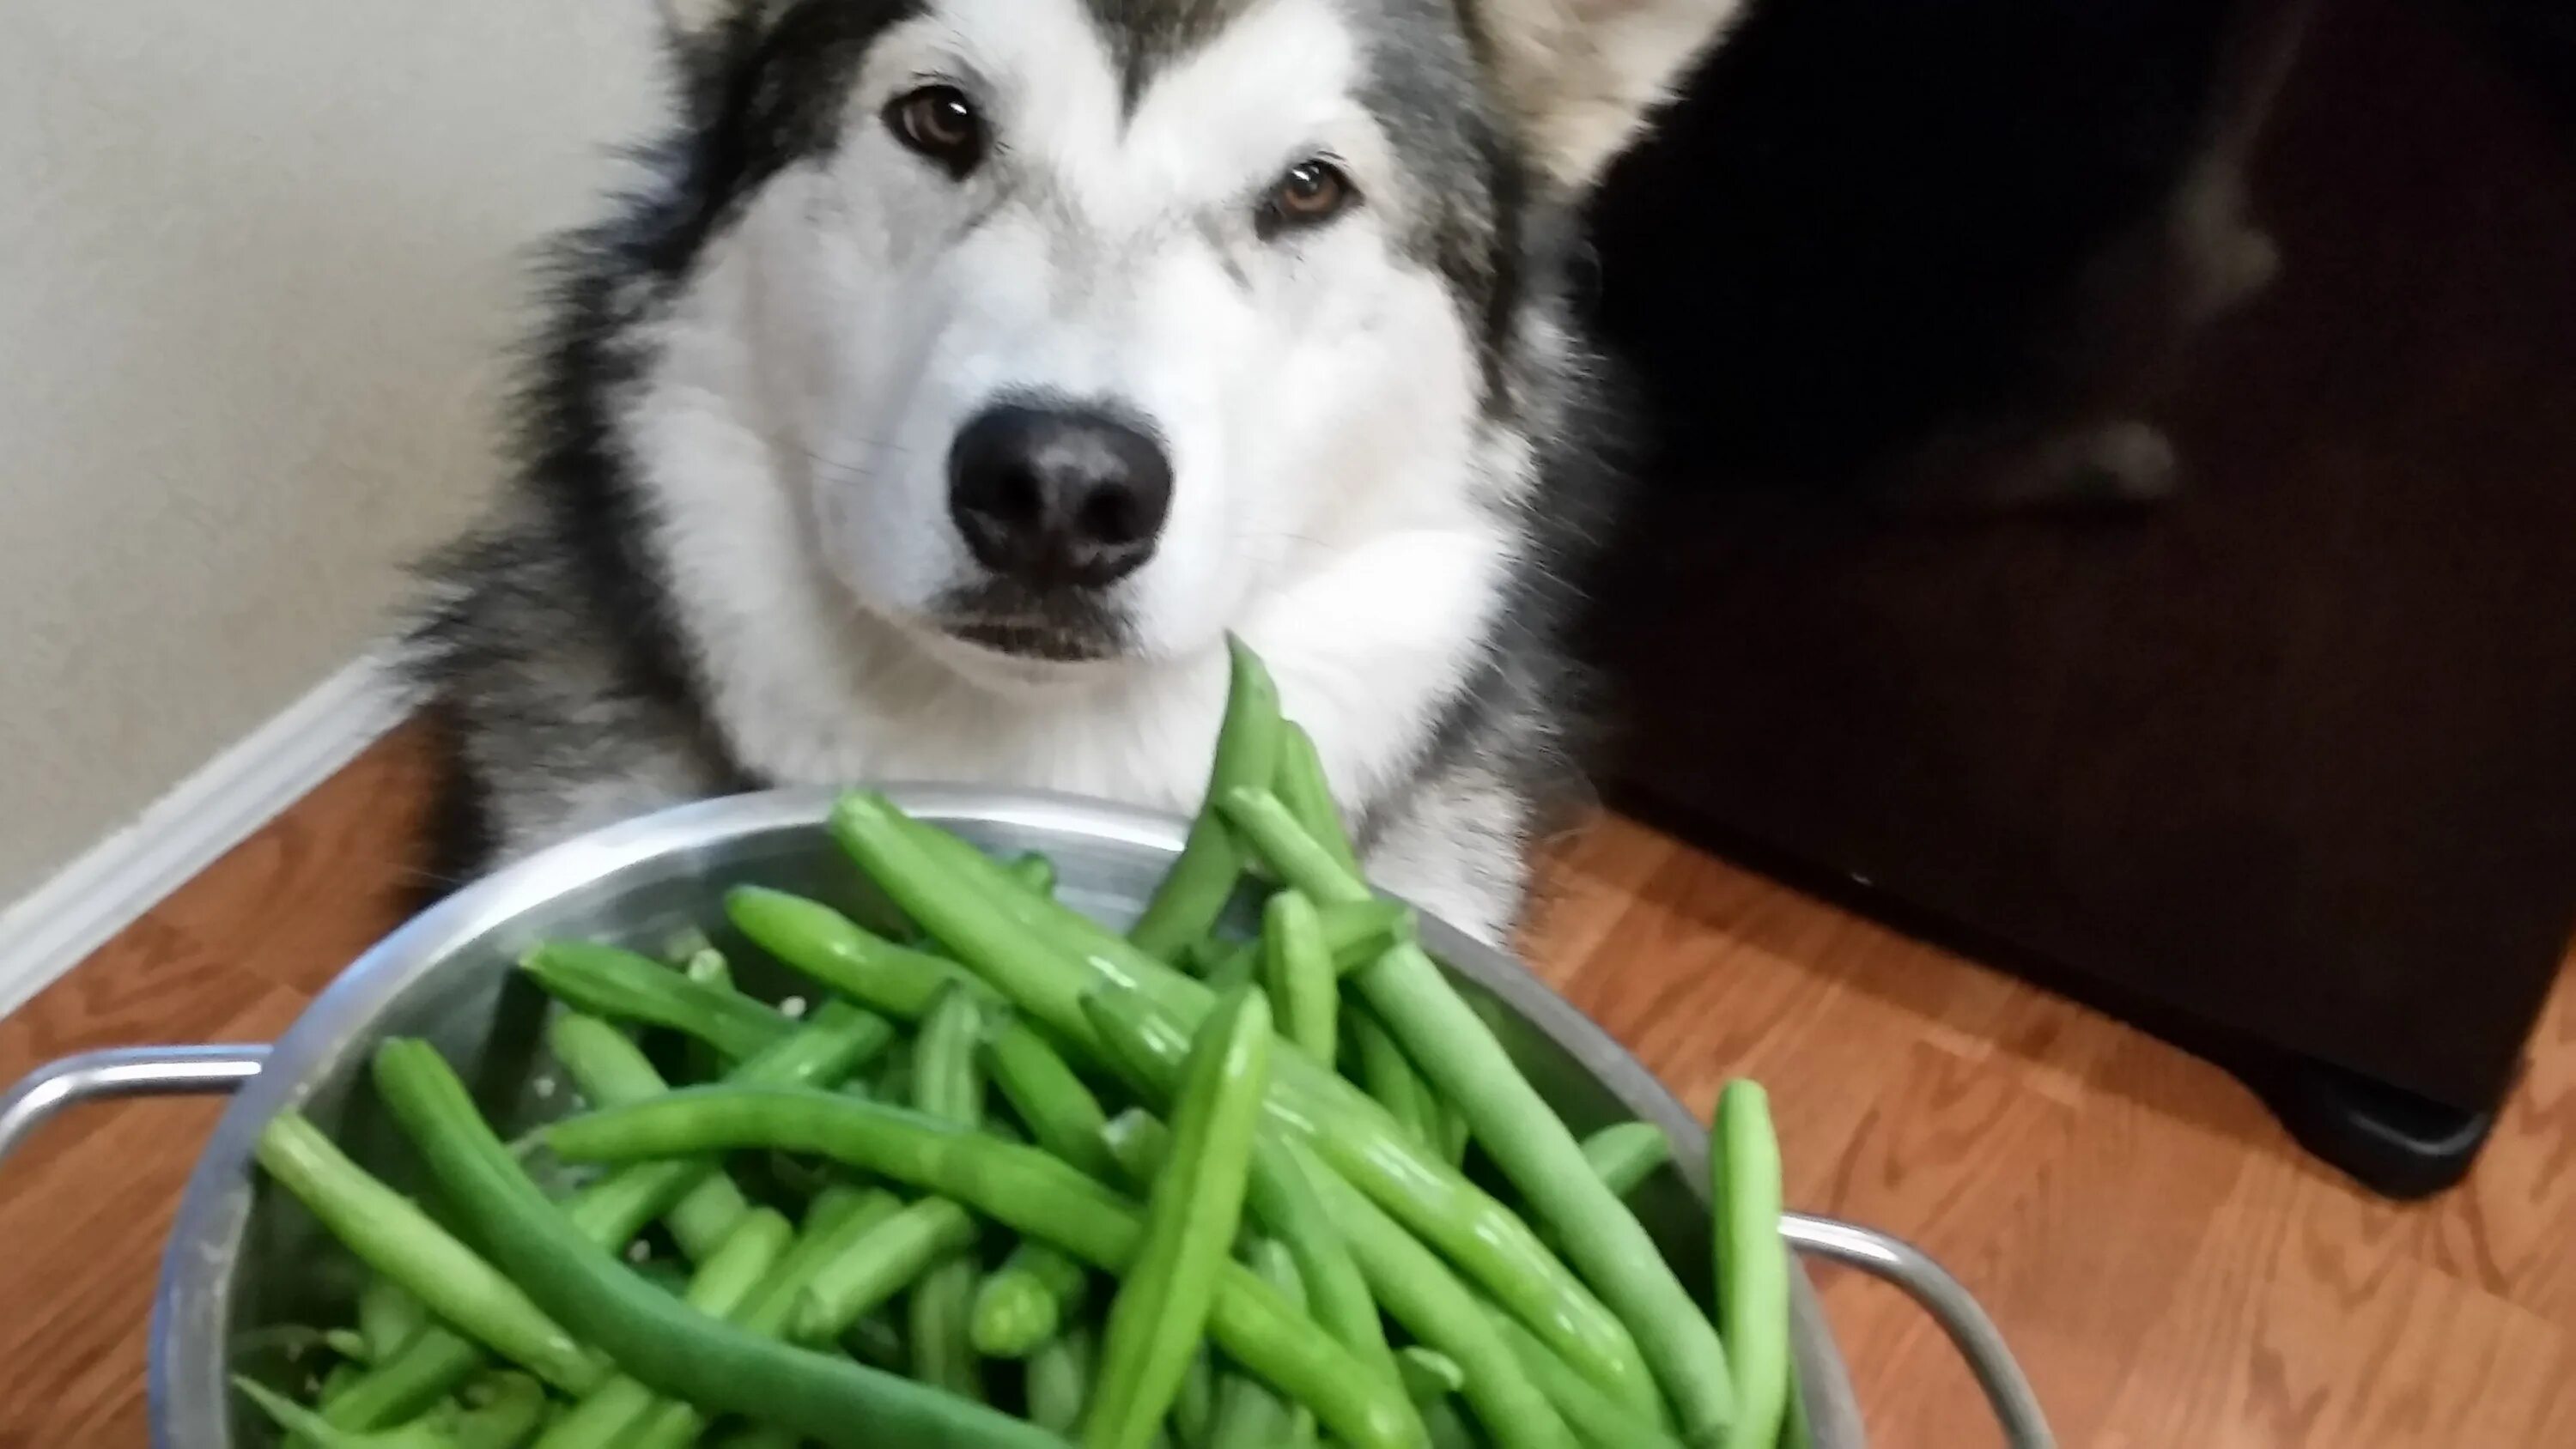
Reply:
x=259, y=260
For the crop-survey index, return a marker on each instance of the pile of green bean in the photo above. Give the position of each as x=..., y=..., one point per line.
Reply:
x=1018, y=1181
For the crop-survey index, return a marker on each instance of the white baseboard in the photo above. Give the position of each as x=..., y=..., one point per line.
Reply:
x=53, y=928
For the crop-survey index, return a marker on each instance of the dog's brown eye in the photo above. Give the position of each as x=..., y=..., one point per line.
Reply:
x=940, y=123
x=1310, y=193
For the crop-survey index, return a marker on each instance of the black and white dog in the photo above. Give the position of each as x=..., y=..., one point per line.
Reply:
x=963, y=371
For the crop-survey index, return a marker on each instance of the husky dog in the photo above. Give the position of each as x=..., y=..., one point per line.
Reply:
x=962, y=372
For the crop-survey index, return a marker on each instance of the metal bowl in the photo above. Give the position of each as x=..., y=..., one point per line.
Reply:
x=242, y=1257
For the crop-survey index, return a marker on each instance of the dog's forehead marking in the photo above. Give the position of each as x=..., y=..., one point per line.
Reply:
x=1148, y=35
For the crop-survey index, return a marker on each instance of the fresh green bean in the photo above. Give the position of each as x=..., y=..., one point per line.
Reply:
x=840, y=1218
x=388, y=1317
x=707, y=966
x=1416, y=1287
x=1058, y=1109
x=1308, y=793
x=1424, y=1296
x=1022, y=1188
x=503, y=1419
x=1354, y=934
x=1428, y=1373
x=403, y=1243
x=604, y=1418
x=1161, y=1311
x=1059, y=1380
x=1033, y=870
x=1027, y=1300
x=1248, y=1415
x=1193, y=1410
x=836, y=1041
x=610, y=1071
x=948, y=1083
x=1448, y=1430
x=1390, y=1077
x=1047, y=958
x=898, y=1254
x=625, y=986
x=1600, y=1421
x=1297, y=969
x=1522, y=1135
x=1282, y=1198
x=839, y=1221
x=829, y=947
x=664, y=1342
x=1211, y=862
x=1752, y=1261
x=1626, y=1154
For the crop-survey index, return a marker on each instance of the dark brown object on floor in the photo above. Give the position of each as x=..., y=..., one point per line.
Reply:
x=2284, y=764
x=2170, y=1270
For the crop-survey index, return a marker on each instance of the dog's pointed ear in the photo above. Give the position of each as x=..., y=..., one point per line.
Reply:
x=1582, y=77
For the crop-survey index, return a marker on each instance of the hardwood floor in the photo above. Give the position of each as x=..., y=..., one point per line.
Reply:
x=2169, y=1269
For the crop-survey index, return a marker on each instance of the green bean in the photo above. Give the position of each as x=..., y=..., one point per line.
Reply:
x=1424, y=1296
x=1047, y=958
x=624, y=986
x=899, y=1253
x=1354, y=934
x=1283, y=1198
x=1033, y=870
x=1059, y=1380
x=1298, y=970
x=1625, y=1155
x=948, y=1083
x=835, y=1042
x=1193, y=1409
x=504, y=1419
x=1752, y=1261
x=821, y=943
x=839, y=1221
x=1448, y=1430
x=388, y=1317
x=707, y=966
x=1022, y=1188
x=1161, y=1311
x=1390, y=1077
x=1416, y=1287
x=659, y=1340
x=1428, y=1373
x=840, y=1218
x=348, y=1343
x=1058, y=1109
x=1522, y=1135
x=1600, y=1421
x=1308, y=793
x=1211, y=862
x=1248, y=1415
x=403, y=1243
x=603, y=1419
x=1027, y=1300
x=610, y=1070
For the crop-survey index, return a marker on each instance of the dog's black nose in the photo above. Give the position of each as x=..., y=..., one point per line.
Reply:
x=1058, y=497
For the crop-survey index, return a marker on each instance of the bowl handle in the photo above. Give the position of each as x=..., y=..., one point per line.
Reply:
x=1893, y=1260
x=162, y=1071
